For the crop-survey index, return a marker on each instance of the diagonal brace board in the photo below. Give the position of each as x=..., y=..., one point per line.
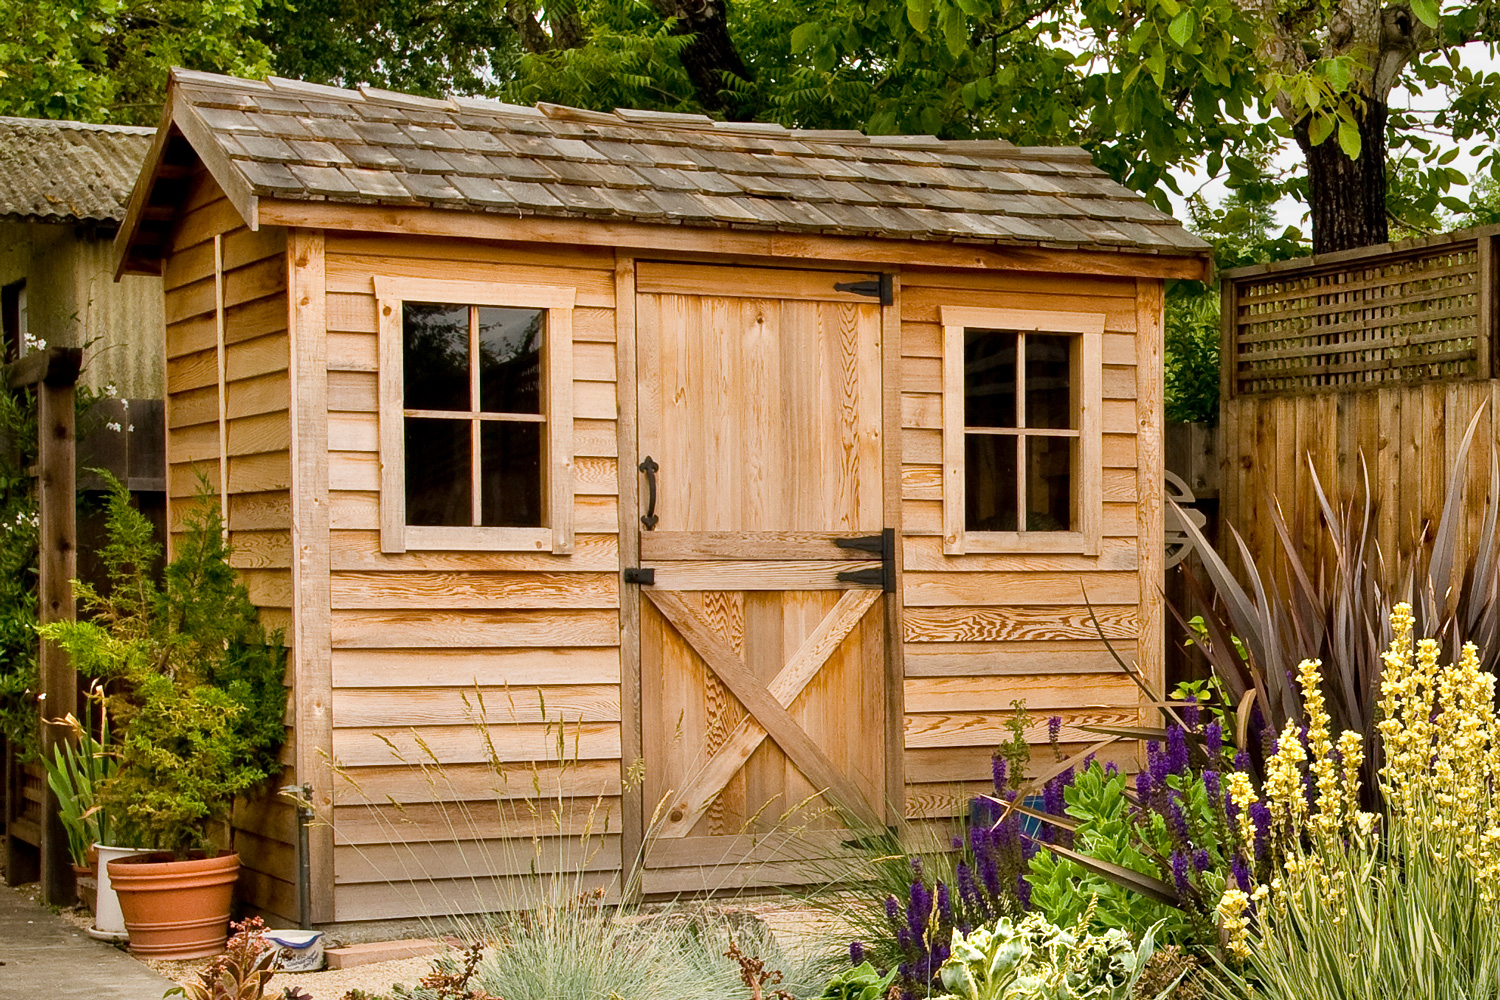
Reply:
x=760, y=703
x=701, y=790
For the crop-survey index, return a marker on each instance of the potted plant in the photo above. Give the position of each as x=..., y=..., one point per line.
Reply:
x=196, y=691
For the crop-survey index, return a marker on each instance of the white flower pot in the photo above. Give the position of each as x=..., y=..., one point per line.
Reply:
x=109, y=923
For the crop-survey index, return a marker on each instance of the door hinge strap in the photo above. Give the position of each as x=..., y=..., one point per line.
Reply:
x=884, y=544
x=643, y=575
x=880, y=287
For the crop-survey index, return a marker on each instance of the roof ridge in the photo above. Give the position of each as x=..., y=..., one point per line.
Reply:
x=77, y=126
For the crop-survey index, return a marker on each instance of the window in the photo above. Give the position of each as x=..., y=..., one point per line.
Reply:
x=1021, y=435
x=475, y=416
x=13, y=320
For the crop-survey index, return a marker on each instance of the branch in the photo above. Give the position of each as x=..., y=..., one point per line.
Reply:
x=712, y=53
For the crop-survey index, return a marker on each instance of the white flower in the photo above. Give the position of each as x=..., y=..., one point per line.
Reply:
x=113, y=425
x=110, y=390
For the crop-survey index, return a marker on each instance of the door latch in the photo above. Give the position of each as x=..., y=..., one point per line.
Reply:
x=643, y=575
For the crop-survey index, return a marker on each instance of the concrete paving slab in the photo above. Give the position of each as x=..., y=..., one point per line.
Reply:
x=42, y=955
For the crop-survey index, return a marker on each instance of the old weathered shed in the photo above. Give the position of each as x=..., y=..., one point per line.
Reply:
x=63, y=191
x=730, y=464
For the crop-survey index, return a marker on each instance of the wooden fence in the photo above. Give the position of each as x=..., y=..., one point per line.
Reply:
x=1386, y=353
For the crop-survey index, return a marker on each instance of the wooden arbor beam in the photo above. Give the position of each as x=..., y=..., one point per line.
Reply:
x=53, y=373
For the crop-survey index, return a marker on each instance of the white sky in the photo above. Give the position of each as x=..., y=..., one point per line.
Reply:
x=1289, y=213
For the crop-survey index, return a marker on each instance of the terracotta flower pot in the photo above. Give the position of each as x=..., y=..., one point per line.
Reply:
x=175, y=909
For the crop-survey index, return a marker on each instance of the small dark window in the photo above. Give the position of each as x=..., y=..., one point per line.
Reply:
x=13, y=319
x=1020, y=431
x=472, y=400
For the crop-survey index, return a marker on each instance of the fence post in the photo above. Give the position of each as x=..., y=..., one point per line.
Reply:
x=53, y=374
x=1484, y=326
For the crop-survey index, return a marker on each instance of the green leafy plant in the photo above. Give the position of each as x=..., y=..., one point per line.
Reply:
x=241, y=972
x=76, y=773
x=1034, y=959
x=1106, y=832
x=862, y=982
x=197, y=684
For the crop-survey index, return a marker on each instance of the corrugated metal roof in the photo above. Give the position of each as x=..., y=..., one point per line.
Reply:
x=68, y=171
x=291, y=140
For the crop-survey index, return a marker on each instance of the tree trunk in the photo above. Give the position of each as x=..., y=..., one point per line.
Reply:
x=711, y=54
x=1347, y=197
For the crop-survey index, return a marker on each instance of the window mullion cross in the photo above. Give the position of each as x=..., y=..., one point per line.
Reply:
x=1021, y=431
x=476, y=499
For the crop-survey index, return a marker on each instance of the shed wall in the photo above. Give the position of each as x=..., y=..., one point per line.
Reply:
x=258, y=429
x=983, y=630
x=73, y=300
x=503, y=667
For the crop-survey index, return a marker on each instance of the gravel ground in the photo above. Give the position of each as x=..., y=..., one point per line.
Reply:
x=374, y=979
x=794, y=925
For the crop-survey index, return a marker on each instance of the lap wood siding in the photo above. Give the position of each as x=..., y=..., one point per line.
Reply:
x=422, y=639
x=983, y=630
x=251, y=285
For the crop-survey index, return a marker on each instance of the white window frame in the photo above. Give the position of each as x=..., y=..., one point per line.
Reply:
x=556, y=535
x=1088, y=327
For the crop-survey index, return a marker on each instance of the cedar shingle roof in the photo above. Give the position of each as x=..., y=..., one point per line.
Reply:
x=284, y=139
x=68, y=171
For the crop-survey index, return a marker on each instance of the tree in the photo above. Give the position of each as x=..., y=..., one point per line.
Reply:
x=1148, y=86
x=107, y=60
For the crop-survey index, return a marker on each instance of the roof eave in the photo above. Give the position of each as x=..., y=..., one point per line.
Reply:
x=178, y=118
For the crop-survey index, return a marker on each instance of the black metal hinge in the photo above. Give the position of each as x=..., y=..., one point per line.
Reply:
x=883, y=545
x=879, y=287
x=643, y=575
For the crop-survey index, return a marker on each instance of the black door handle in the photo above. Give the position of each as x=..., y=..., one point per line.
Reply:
x=649, y=467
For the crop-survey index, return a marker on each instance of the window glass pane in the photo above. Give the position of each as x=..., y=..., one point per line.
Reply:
x=510, y=360
x=435, y=356
x=511, y=474
x=1049, y=483
x=989, y=482
x=1049, y=396
x=438, y=464
x=989, y=378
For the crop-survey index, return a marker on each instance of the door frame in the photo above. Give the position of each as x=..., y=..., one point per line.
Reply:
x=632, y=811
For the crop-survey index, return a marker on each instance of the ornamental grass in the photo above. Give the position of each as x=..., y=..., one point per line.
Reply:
x=1400, y=903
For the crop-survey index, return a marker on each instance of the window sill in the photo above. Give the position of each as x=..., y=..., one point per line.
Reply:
x=478, y=539
x=1072, y=542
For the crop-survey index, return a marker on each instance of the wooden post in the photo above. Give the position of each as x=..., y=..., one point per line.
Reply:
x=53, y=374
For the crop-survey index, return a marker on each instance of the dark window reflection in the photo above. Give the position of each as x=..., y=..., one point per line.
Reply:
x=989, y=378
x=510, y=474
x=435, y=356
x=1049, y=394
x=990, y=482
x=1049, y=483
x=510, y=356
x=438, y=477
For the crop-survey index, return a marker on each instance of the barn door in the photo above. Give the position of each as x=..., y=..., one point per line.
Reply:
x=762, y=630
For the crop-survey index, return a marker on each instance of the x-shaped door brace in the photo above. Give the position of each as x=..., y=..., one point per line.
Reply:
x=767, y=708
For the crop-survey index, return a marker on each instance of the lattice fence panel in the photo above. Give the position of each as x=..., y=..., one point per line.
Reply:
x=1411, y=315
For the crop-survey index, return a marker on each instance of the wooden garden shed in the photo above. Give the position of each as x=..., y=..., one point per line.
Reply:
x=726, y=464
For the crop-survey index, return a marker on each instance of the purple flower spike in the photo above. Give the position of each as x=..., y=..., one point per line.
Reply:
x=1180, y=877
x=1260, y=815
x=1213, y=739
x=1000, y=772
x=1023, y=892
x=1054, y=728
x=916, y=866
x=1143, y=786
x=1111, y=769
x=944, y=904
x=1201, y=860
x=1240, y=872
x=856, y=953
x=892, y=910
x=1211, y=785
x=1177, y=751
x=1190, y=714
x=1242, y=761
x=1159, y=763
